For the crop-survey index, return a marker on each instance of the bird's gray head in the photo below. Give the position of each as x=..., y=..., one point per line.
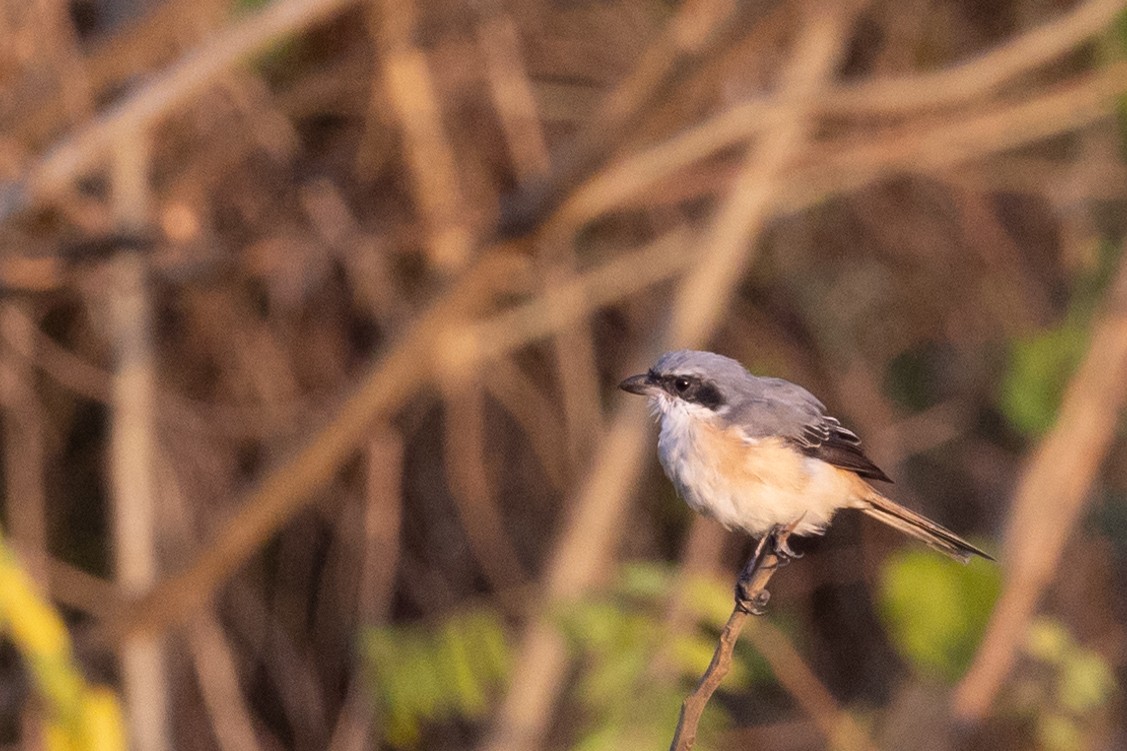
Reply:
x=701, y=382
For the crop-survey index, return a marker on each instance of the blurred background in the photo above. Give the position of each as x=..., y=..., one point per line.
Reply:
x=311, y=316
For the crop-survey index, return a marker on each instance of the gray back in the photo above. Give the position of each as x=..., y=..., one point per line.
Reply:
x=761, y=407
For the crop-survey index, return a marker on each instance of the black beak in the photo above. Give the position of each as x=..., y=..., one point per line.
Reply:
x=638, y=384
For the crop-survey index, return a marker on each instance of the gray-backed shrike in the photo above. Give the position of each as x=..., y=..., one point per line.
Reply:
x=762, y=455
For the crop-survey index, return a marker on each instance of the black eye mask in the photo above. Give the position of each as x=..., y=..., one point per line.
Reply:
x=692, y=389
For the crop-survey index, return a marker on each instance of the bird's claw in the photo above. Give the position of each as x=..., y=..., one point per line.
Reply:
x=783, y=549
x=780, y=543
x=751, y=604
x=755, y=602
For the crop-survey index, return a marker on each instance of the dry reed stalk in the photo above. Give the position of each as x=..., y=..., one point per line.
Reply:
x=429, y=153
x=134, y=510
x=213, y=659
x=24, y=440
x=1050, y=496
x=512, y=92
x=464, y=448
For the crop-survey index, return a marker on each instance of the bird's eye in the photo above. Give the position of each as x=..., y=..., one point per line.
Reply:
x=681, y=384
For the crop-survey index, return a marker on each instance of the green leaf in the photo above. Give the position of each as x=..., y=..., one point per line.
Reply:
x=605, y=737
x=936, y=609
x=1040, y=365
x=422, y=675
x=645, y=581
x=1058, y=732
x=491, y=654
x=467, y=694
x=1086, y=682
x=1048, y=641
x=709, y=600
x=620, y=634
x=614, y=679
x=1039, y=369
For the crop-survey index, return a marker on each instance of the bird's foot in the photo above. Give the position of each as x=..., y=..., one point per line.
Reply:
x=752, y=604
x=780, y=542
x=782, y=547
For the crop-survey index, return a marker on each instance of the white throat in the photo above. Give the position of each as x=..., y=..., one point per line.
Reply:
x=677, y=440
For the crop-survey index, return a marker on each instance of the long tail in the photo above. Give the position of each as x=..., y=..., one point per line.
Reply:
x=922, y=528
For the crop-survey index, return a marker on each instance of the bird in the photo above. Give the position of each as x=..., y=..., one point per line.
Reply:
x=761, y=455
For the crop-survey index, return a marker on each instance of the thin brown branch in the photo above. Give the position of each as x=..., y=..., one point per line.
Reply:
x=837, y=726
x=752, y=589
x=573, y=354
x=972, y=136
x=429, y=153
x=532, y=409
x=838, y=167
x=80, y=590
x=512, y=92
x=701, y=30
x=354, y=728
x=213, y=659
x=379, y=528
x=129, y=319
x=364, y=255
x=24, y=441
x=699, y=556
x=467, y=473
x=693, y=707
x=792, y=672
x=76, y=154
x=561, y=305
x=209, y=648
x=290, y=672
x=972, y=78
x=382, y=517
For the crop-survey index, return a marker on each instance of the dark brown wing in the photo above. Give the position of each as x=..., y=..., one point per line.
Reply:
x=828, y=440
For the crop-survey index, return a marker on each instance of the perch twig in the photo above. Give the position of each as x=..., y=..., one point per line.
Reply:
x=751, y=597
